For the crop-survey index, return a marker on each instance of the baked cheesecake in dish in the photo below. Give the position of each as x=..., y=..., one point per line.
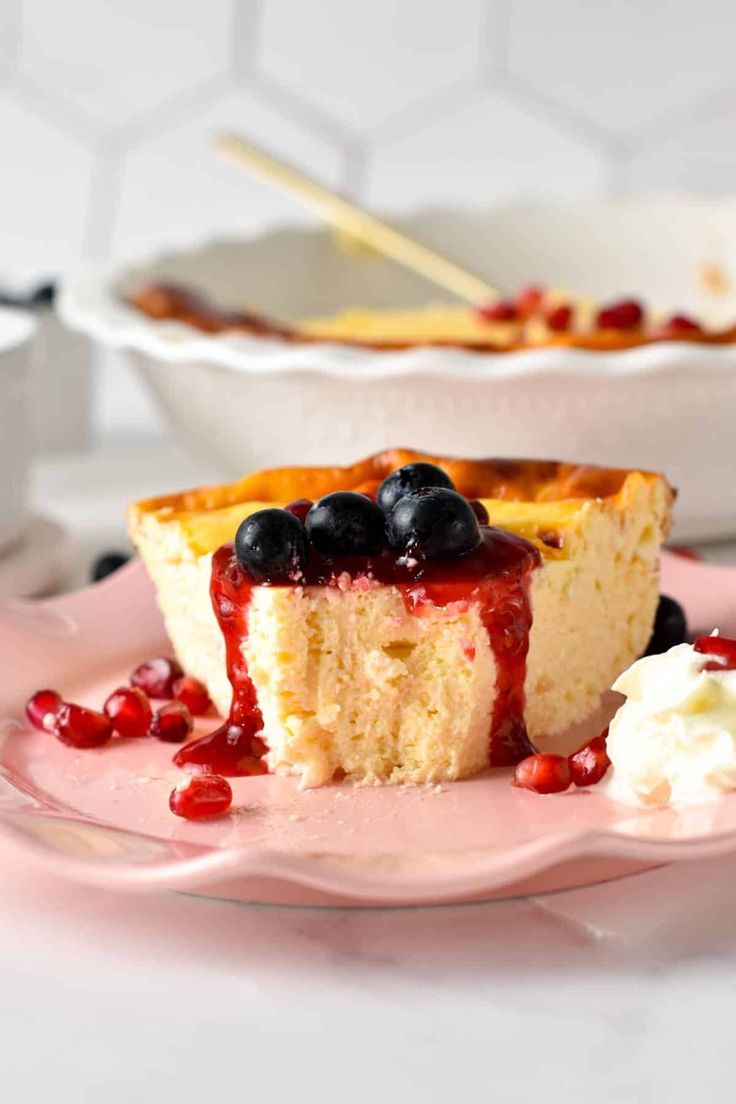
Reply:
x=534, y=317
x=471, y=617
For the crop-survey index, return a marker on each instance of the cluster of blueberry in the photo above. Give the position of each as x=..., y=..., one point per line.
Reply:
x=417, y=512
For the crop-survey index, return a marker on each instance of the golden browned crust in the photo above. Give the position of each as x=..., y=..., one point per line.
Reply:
x=179, y=304
x=513, y=480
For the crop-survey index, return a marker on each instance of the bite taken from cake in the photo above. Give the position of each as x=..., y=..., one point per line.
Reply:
x=407, y=619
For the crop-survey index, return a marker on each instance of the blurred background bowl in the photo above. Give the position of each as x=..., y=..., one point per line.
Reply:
x=243, y=401
x=17, y=331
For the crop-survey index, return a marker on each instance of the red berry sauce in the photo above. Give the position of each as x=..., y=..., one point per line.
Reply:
x=156, y=677
x=300, y=508
x=202, y=796
x=129, y=712
x=42, y=708
x=82, y=728
x=234, y=750
x=193, y=694
x=496, y=575
x=543, y=773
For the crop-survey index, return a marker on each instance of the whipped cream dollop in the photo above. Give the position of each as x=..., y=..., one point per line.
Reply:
x=674, y=739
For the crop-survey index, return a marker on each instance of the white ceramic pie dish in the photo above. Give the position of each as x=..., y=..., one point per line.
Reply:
x=245, y=401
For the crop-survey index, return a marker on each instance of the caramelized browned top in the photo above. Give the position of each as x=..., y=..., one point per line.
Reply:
x=179, y=304
x=513, y=480
x=176, y=303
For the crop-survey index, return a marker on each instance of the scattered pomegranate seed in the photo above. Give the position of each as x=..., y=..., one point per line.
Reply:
x=81, y=728
x=479, y=510
x=193, y=694
x=685, y=553
x=172, y=723
x=625, y=315
x=300, y=508
x=156, y=677
x=528, y=300
x=588, y=765
x=502, y=310
x=201, y=796
x=42, y=708
x=721, y=649
x=543, y=773
x=559, y=318
x=678, y=326
x=129, y=711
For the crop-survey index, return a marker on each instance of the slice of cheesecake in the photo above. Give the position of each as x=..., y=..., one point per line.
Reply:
x=382, y=670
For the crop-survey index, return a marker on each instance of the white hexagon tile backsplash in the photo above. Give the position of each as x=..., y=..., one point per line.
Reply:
x=364, y=63
x=115, y=61
x=106, y=107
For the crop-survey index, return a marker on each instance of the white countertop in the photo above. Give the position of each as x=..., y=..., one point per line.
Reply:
x=621, y=993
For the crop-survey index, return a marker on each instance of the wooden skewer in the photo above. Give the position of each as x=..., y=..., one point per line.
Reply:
x=346, y=216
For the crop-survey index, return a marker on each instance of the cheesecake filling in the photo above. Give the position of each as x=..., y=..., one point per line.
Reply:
x=377, y=668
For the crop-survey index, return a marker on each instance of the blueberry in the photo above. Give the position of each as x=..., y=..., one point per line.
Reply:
x=670, y=626
x=106, y=564
x=479, y=510
x=272, y=545
x=433, y=523
x=410, y=478
x=345, y=523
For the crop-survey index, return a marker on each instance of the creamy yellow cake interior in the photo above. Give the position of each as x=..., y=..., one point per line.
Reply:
x=349, y=681
x=443, y=322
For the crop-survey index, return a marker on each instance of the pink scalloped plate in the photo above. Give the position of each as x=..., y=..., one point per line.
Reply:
x=102, y=816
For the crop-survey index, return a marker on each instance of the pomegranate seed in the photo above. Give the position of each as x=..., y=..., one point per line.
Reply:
x=129, y=711
x=172, y=723
x=503, y=310
x=42, y=708
x=300, y=508
x=528, y=300
x=684, y=552
x=559, y=318
x=479, y=510
x=721, y=649
x=156, y=677
x=678, y=326
x=201, y=796
x=543, y=773
x=588, y=765
x=193, y=694
x=625, y=315
x=82, y=728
